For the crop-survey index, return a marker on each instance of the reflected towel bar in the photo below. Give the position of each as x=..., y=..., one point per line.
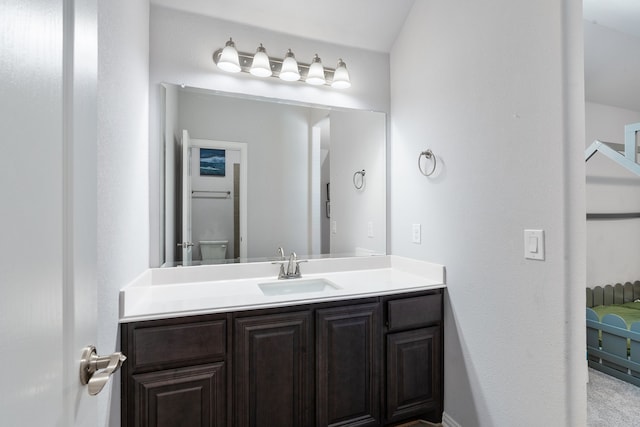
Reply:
x=612, y=216
x=208, y=194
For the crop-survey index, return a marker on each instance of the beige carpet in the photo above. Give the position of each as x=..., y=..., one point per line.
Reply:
x=611, y=402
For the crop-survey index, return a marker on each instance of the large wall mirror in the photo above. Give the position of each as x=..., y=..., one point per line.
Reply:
x=242, y=176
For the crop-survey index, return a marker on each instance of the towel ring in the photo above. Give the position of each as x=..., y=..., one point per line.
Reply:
x=361, y=173
x=428, y=154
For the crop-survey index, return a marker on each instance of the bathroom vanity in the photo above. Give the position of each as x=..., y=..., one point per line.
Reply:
x=358, y=343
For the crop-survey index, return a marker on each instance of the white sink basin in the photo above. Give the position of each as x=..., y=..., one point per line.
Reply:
x=297, y=286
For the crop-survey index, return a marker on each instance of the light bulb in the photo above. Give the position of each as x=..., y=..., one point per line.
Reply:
x=341, y=76
x=316, y=72
x=261, y=66
x=229, y=60
x=289, y=71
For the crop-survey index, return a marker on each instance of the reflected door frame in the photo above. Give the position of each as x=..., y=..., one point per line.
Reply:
x=243, y=148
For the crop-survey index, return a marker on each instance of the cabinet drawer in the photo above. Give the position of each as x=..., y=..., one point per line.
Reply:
x=414, y=312
x=178, y=345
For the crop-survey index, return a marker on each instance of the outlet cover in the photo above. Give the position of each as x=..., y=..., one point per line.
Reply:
x=416, y=234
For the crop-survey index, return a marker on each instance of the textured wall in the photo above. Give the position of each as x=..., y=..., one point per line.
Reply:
x=494, y=88
x=122, y=168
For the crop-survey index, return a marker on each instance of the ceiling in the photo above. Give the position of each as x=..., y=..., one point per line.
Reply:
x=612, y=33
x=366, y=24
x=621, y=15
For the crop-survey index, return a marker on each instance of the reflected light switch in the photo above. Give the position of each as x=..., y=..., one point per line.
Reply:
x=534, y=244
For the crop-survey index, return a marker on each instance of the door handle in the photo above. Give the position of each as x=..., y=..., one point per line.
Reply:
x=95, y=370
x=185, y=245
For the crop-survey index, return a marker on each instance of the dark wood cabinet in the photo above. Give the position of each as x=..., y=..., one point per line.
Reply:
x=362, y=362
x=413, y=358
x=348, y=366
x=413, y=374
x=273, y=370
x=176, y=372
x=181, y=397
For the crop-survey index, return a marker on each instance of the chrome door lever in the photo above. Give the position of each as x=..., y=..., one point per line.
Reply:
x=95, y=370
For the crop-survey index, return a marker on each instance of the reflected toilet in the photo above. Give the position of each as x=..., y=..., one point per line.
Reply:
x=213, y=251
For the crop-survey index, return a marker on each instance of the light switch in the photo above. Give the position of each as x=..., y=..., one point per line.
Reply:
x=534, y=244
x=370, y=229
x=334, y=227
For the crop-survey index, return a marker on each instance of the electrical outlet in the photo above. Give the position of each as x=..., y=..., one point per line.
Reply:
x=416, y=234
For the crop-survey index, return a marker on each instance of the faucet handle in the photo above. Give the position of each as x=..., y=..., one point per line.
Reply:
x=297, y=273
x=291, y=265
x=281, y=274
x=281, y=252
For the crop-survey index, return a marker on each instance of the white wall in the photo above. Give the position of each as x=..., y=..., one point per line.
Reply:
x=613, y=247
x=357, y=143
x=181, y=48
x=169, y=160
x=122, y=170
x=325, y=178
x=494, y=88
x=182, y=45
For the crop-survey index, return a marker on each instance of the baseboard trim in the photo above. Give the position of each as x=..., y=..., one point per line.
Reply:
x=447, y=421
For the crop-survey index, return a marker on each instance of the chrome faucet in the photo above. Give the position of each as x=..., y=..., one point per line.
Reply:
x=293, y=266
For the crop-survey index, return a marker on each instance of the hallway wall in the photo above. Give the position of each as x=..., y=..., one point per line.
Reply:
x=497, y=95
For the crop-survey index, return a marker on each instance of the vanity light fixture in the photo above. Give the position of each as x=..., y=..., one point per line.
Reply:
x=341, y=78
x=316, y=72
x=260, y=66
x=229, y=60
x=287, y=69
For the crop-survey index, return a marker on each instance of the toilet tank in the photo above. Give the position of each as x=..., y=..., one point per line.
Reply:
x=213, y=250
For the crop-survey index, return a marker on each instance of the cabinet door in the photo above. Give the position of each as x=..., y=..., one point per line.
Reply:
x=347, y=351
x=273, y=370
x=188, y=397
x=413, y=373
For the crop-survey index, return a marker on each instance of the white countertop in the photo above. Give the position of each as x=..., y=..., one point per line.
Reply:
x=182, y=291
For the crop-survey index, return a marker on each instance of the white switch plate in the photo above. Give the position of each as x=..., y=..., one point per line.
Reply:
x=534, y=244
x=334, y=227
x=370, y=229
x=416, y=234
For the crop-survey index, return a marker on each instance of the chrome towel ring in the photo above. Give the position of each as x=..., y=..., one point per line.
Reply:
x=355, y=184
x=428, y=154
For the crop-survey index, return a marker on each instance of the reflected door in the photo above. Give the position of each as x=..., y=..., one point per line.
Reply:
x=187, y=243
